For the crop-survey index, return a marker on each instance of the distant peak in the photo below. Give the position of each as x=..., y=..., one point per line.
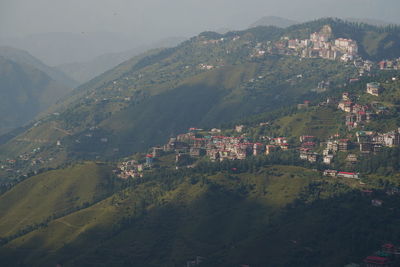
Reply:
x=274, y=21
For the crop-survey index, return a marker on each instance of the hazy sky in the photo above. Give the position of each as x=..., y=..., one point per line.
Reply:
x=84, y=26
x=155, y=19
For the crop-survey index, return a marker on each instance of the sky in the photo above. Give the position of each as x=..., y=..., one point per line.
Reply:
x=142, y=22
x=152, y=19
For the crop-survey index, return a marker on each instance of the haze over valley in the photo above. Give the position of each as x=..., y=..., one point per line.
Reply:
x=199, y=133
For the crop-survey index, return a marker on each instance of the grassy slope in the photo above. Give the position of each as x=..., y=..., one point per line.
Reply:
x=51, y=194
x=191, y=210
x=231, y=219
x=321, y=122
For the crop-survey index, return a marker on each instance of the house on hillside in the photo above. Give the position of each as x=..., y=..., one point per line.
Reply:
x=197, y=152
x=376, y=202
x=312, y=157
x=346, y=106
x=307, y=138
x=332, y=146
x=239, y=128
x=305, y=105
x=304, y=152
x=331, y=173
x=328, y=159
x=374, y=88
x=351, y=175
x=351, y=158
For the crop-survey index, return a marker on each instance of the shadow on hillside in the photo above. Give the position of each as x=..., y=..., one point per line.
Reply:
x=229, y=228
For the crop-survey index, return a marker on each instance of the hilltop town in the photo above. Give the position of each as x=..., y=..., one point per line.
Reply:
x=217, y=145
x=236, y=145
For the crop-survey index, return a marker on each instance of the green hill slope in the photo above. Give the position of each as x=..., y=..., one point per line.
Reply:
x=50, y=195
x=276, y=215
x=209, y=80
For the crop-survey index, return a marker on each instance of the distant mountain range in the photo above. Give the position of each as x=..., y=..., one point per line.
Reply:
x=61, y=47
x=23, y=57
x=85, y=71
x=25, y=92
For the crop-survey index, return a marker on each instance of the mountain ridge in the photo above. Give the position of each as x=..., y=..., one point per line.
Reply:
x=23, y=57
x=26, y=92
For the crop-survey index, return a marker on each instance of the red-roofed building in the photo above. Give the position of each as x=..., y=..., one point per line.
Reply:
x=307, y=138
x=382, y=65
x=149, y=159
x=308, y=144
x=367, y=192
x=354, y=80
x=391, y=249
x=375, y=261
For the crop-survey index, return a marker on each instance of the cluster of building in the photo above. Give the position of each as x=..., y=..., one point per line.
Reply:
x=387, y=256
x=220, y=147
x=360, y=114
x=356, y=114
x=389, y=64
x=15, y=166
x=333, y=145
x=370, y=141
x=367, y=141
x=133, y=169
x=308, y=143
x=320, y=45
